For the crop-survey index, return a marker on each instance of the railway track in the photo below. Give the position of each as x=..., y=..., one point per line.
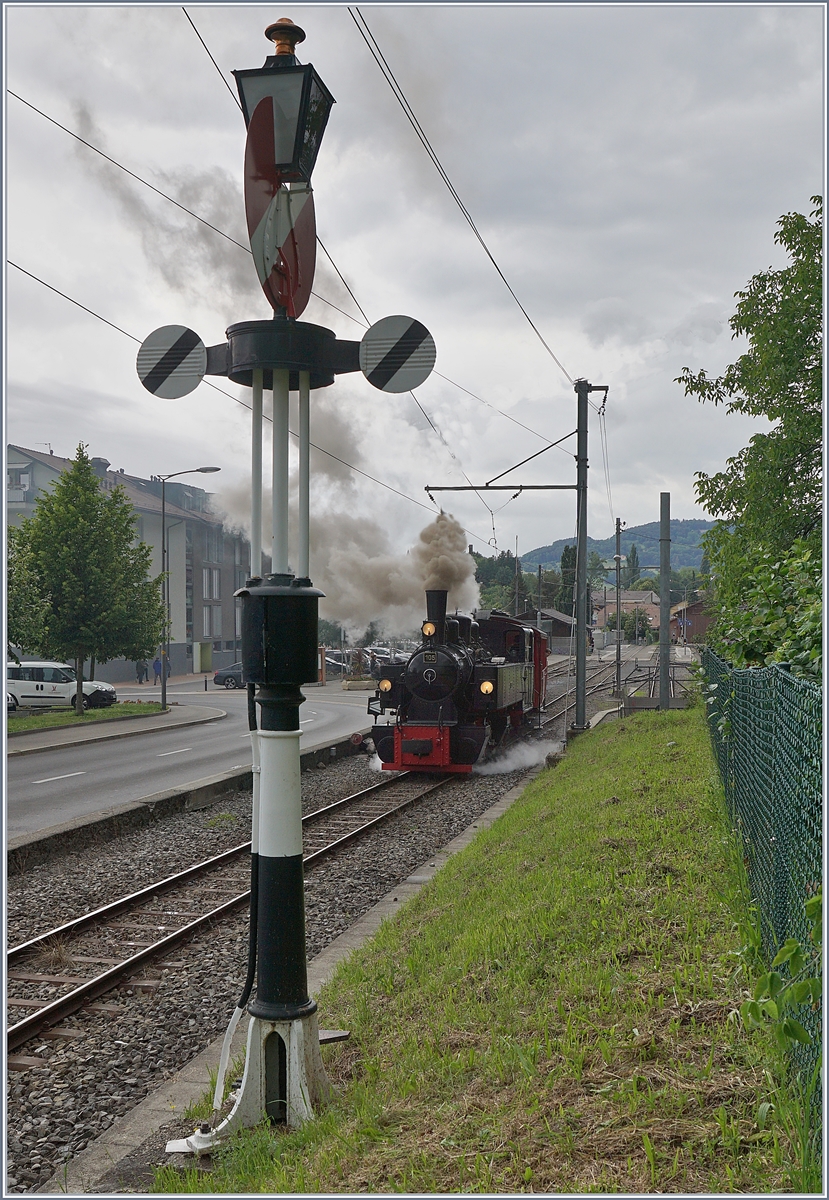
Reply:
x=123, y=937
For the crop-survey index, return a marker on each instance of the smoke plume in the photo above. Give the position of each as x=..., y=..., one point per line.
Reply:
x=364, y=578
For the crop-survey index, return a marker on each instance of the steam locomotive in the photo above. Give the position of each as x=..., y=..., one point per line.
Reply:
x=472, y=682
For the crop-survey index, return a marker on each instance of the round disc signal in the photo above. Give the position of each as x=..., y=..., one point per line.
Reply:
x=397, y=354
x=171, y=361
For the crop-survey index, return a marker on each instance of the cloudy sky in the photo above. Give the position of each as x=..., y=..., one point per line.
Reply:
x=626, y=166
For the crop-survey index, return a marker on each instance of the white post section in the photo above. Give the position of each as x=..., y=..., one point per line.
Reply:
x=256, y=475
x=280, y=473
x=280, y=809
x=304, y=566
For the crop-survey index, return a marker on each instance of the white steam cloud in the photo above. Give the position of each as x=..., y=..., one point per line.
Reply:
x=525, y=754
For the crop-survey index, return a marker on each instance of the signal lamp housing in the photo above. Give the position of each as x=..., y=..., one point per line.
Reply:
x=487, y=687
x=428, y=629
x=385, y=685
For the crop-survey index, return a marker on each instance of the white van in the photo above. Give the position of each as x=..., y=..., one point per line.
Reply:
x=50, y=684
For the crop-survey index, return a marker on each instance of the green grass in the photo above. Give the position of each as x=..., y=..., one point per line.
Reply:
x=58, y=720
x=556, y=1011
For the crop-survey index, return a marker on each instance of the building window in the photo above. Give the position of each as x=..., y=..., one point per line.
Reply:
x=238, y=619
x=217, y=621
x=217, y=583
x=217, y=646
x=228, y=645
x=214, y=545
x=207, y=629
x=205, y=582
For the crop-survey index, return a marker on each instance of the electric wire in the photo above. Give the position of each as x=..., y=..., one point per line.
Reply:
x=212, y=59
x=229, y=395
x=162, y=194
x=378, y=56
x=364, y=323
x=363, y=313
x=228, y=237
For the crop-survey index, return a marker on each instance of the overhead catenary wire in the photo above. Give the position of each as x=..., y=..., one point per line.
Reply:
x=363, y=313
x=158, y=191
x=216, y=388
x=364, y=323
x=378, y=56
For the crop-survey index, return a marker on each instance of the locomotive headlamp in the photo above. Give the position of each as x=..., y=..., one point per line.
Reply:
x=428, y=629
x=385, y=685
x=487, y=687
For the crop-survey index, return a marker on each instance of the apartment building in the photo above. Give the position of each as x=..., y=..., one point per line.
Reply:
x=206, y=562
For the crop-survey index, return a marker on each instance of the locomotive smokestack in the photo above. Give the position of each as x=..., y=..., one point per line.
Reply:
x=436, y=612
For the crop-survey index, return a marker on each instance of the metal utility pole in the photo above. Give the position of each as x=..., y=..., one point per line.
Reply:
x=664, y=599
x=582, y=389
x=618, y=558
x=539, y=595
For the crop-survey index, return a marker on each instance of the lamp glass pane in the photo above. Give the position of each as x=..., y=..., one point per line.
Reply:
x=286, y=92
x=319, y=105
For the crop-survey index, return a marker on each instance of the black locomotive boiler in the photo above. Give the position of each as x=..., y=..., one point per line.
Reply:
x=471, y=682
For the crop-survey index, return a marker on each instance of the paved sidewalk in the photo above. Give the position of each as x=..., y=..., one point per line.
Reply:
x=179, y=716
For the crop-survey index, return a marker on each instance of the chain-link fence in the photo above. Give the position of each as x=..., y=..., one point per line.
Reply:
x=766, y=727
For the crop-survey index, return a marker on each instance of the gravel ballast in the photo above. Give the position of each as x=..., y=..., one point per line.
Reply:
x=116, y=1059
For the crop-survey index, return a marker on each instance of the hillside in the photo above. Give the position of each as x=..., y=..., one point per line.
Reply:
x=685, y=548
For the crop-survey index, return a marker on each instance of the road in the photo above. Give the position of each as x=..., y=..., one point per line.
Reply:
x=53, y=786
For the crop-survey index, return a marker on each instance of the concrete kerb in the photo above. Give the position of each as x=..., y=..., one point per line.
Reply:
x=28, y=850
x=81, y=1174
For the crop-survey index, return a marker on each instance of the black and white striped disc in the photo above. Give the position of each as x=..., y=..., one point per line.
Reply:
x=171, y=362
x=397, y=354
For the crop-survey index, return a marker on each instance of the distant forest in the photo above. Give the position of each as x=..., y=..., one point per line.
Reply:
x=685, y=548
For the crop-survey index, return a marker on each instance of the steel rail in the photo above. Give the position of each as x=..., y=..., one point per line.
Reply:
x=162, y=885
x=50, y=1014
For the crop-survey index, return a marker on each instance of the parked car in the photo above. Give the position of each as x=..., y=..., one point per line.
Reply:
x=53, y=684
x=11, y=703
x=335, y=666
x=229, y=677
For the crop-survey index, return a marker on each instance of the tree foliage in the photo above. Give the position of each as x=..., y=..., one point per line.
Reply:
x=768, y=500
x=26, y=605
x=631, y=571
x=101, y=602
x=566, y=593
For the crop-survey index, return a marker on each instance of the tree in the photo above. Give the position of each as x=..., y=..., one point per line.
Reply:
x=768, y=500
x=550, y=584
x=635, y=623
x=630, y=572
x=596, y=570
x=330, y=633
x=497, y=578
x=565, y=602
x=770, y=493
x=26, y=605
x=101, y=602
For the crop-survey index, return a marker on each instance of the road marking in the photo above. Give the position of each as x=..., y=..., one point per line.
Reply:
x=166, y=752
x=52, y=778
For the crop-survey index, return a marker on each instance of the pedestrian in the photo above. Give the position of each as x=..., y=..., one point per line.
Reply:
x=373, y=665
x=140, y=670
x=157, y=669
x=167, y=666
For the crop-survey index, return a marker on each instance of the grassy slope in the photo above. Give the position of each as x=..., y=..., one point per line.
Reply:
x=555, y=1012
x=57, y=720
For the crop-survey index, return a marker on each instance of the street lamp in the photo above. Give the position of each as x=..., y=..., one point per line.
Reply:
x=165, y=649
